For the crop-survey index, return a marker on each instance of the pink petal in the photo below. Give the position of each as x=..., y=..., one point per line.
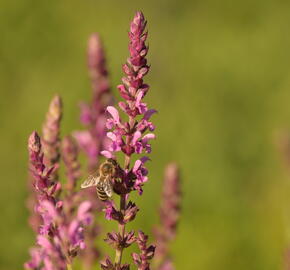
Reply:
x=73, y=227
x=144, y=159
x=114, y=113
x=147, y=137
x=48, y=264
x=136, y=137
x=123, y=92
x=137, y=165
x=149, y=113
x=59, y=204
x=107, y=154
x=123, y=106
x=82, y=137
x=138, y=98
x=44, y=242
x=50, y=208
x=86, y=115
x=112, y=136
x=83, y=209
x=82, y=245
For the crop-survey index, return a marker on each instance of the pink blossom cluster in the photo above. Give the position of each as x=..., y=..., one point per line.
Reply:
x=65, y=224
x=60, y=236
x=131, y=136
x=93, y=138
x=147, y=252
x=50, y=139
x=93, y=115
x=169, y=214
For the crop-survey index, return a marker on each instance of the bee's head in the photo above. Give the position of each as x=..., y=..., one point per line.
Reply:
x=108, y=168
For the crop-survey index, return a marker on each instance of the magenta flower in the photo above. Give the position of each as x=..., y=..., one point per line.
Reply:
x=111, y=211
x=147, y=252
x=130, y=137
x=50, y=142
x=50, y=135
x=93, y=116
x=60, y=235
x=169, y=217
x=93, y=139
x=70, y=159
x=36, y=259
x=66, y=226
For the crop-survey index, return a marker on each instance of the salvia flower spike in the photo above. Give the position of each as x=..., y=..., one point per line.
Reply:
x=65, y=214
x=51, y=135
x=169, y=217
x=147, y=252
x=69, y=155
x=93, y=115
x=92, y=140
x=60, y=235
x=130, y=137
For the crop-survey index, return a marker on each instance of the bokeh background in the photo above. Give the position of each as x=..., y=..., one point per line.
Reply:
x=220, y=80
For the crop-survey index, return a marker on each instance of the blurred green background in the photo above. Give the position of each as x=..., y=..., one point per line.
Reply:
x=220, y=80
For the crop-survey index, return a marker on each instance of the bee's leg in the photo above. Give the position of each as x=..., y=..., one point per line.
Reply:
x=118, y=180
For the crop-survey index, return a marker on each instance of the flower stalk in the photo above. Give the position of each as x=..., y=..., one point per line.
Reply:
x=60, y=235
x=93, y=115
x=51, y=135
x=92, y=140
x=130, y=138
x=64, y=212
x=169, y=216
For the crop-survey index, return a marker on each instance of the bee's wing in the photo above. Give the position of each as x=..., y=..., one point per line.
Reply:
x=91, y=181
x=107, y=186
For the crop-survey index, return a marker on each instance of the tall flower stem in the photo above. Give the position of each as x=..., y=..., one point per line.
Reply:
x=122, y=227
x=119, y=251
x=130, y=137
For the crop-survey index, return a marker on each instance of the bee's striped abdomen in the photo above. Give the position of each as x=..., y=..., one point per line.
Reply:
x=101, y=193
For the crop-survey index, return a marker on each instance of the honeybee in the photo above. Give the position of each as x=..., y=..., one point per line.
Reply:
x=102, y=180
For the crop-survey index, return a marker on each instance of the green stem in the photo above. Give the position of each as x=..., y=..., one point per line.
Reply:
x=69, y=267
x=119, y=251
